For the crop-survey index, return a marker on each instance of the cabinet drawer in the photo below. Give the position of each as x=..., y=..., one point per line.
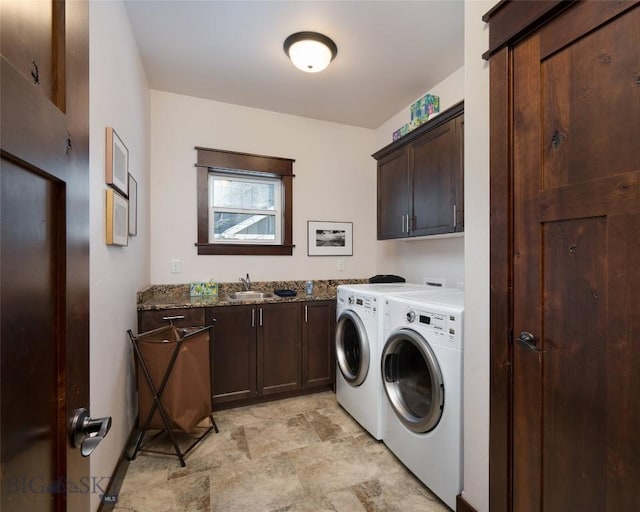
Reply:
x=181, y=317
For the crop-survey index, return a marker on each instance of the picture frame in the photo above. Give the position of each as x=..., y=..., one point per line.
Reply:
x=117, y=163
x=326, y=238
x=133, y=206
x=117, y=218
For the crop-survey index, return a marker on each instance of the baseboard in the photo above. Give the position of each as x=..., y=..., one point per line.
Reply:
x=462, y=505
x=110, y=498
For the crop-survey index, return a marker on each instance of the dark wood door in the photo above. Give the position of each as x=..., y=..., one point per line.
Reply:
x=318, y=331
x=436, y=180
x=393, y=195
x=576, y=270
x=234, y=352
x=44, y=253
x=279, y=348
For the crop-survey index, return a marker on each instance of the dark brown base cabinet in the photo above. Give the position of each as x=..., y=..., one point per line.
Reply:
x=279, y=348
x=271, y=350
x=181, y=317
x=263, y=351
x=420, y=179
x=234, y=352
x=318, y=347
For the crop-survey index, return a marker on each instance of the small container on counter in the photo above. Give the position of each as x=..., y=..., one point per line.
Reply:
x=308, y=287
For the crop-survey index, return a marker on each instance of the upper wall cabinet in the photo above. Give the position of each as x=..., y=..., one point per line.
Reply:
x=420, y=179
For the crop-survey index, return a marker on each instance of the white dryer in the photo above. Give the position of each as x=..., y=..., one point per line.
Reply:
x=421, y=374
x=359, y=325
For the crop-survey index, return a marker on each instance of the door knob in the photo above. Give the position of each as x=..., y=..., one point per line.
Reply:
x=529, y=341
x=87, y=432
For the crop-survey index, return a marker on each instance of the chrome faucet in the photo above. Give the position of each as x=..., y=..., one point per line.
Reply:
x=246, y=282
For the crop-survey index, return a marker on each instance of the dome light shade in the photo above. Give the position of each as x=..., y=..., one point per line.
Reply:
x=309, y=51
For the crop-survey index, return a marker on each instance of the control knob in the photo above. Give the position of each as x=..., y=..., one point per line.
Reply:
x=411, y=315
x=350, y=301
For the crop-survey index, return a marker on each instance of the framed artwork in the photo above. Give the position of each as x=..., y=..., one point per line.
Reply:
x=329, y=238
x=133, y=206
x=117, y=218
x=117, y=162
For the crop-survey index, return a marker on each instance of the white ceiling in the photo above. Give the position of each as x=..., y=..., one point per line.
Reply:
x=389, y=53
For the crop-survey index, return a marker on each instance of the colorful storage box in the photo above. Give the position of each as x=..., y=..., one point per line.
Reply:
x=204, y=289
x=424, y=107
x=420, y=112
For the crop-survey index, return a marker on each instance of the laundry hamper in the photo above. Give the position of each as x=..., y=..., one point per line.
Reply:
x=174, y=385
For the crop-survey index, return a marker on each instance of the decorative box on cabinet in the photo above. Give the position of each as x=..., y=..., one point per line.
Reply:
x=420, y=179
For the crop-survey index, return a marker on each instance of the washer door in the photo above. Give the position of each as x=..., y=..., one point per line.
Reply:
x=352, y=348
x=412, y=380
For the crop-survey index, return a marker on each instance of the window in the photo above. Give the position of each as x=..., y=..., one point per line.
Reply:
x=244, y=203
x=244, y=209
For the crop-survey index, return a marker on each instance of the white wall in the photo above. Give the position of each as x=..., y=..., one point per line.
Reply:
x=335, y=181
x=476, y=261
x=417, y=259
x=119, y=97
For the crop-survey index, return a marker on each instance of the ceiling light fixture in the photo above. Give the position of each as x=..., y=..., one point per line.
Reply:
x=309, y=51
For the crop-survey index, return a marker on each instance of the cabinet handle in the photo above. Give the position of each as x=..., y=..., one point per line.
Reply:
x=455, y=216
x=260, y=317
x=306, y=316
x=253, y=317
x=170, y=318
x=405, y=223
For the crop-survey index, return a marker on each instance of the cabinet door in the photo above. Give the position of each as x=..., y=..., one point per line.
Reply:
x=279, y=348
x=181, y=317
x=435, y=170
x=393, y=195
x=318, y=331
x=458, y=178
x=234, y=352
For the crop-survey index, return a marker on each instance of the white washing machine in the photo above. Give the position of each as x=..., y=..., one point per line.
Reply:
x=421, y=374
x=360, y=315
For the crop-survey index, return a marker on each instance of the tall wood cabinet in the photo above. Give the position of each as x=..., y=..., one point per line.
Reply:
x=420, y=179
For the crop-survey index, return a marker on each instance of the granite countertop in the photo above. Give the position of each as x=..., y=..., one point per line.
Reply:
x=172, y=296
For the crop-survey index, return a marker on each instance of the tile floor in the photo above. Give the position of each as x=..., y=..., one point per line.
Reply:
x=297, y=455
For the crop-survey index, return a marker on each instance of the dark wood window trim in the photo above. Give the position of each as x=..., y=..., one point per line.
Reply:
x=244, y=162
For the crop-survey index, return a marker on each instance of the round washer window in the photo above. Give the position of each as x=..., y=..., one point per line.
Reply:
x=412, y=380
x=352, y=348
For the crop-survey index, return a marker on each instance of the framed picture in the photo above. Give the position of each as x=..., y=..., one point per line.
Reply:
x=117, y=218
x=117, y=166
x=133, y=206
x=329, y=238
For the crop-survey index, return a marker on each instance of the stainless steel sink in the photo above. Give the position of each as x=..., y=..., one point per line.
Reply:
x=250, y=295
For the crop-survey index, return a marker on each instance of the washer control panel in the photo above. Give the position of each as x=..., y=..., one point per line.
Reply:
x=363, y=304
x=446, y=326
